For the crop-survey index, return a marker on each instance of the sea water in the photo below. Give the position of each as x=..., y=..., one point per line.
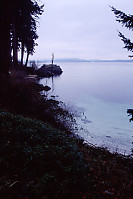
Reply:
x=100, y=93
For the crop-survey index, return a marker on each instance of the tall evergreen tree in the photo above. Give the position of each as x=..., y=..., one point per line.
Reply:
x=127, y=21
x=5, y=48
x=18, y=20
x=26, y=16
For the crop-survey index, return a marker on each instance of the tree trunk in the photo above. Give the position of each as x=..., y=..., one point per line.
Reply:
x=22, y=53
x=27, y=58
x=5, y=43
x=15, y=46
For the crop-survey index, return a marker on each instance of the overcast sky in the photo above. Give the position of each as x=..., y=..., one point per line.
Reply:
x=84, y=29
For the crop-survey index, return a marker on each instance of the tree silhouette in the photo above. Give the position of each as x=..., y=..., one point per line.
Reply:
x=26, y=16
x=127, y=21
x=5, y=47
x=18, y=22
x=28, y=26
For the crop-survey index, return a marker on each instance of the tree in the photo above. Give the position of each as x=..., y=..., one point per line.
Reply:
x=18, y=22
x=26, y=15
x=5, y=47
x=30, y=44
x=127, y=21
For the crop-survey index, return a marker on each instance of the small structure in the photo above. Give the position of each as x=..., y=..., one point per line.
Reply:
x=52, y=58
x=52, y=61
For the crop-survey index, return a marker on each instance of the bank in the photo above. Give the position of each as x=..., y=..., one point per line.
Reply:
x=42, y=158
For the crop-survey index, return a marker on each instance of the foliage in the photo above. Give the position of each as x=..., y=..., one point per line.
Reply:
x=111, y=174
x=39, y=161
x=23, y=96
x=127, y=21
x=18, y=22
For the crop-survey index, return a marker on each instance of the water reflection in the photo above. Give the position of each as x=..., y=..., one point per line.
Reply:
x=111, y=82
x=52, y=84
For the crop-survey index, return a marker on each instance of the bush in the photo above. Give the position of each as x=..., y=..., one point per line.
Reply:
x=23, y=96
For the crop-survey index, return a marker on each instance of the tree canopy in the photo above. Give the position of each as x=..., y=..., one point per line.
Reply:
x=18, y=22
x=126, y=21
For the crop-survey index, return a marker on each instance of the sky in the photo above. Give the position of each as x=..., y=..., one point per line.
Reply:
x=84, y=29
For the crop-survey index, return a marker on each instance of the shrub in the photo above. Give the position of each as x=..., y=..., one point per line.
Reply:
x=23, y=96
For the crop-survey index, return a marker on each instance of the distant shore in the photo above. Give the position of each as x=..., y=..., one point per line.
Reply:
x=84, y=60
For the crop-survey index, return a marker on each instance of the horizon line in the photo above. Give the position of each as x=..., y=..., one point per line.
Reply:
x=82, y=60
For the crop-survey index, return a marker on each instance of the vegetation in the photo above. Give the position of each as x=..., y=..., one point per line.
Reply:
x=23, y=96
x=43, y=159
x=18, y=22
x=127, y=21
x=39, y=155
x=38, y=161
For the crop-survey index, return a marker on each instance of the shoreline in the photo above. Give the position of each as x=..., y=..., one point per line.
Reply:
x=96, y=166
x=85, y=132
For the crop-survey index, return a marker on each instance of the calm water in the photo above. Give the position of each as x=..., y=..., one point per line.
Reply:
x=101, y=93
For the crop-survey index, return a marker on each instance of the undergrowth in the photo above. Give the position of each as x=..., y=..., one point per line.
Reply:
x=38, y=161
x=41, y=159
x=23, y=96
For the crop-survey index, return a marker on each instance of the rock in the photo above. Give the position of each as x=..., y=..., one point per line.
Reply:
x=85, y=121
x=107, y=136
x=40, y=87
x=53, y=96
x=130, y=112
x=46, y=88
x=49, y=70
